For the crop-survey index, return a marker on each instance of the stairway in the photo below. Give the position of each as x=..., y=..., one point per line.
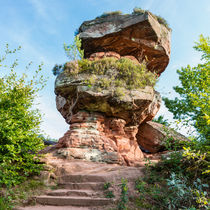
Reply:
x=80, y=186
x=76, y=190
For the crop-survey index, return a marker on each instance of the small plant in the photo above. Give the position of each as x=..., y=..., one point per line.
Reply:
x=124, y=195
x=107, y=185
x=74, y=51
x=106, y=14
x=138, y=10
x=108, y=193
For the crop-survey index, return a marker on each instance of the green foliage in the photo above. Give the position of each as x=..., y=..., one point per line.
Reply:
x=108, y=193
x=19, y=123
x=194, y=104
x=198, y=161
x=74, y=51
x=123, y=196
x=107, y=185
x=170, y=191
x=5, y=204
x=184, y=195
x=161, y=120
x=19, y=194
x=109, y=73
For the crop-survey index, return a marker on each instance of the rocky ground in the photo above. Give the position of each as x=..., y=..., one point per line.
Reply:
x=80, y=184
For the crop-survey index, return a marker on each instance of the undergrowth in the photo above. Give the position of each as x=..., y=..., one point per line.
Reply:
x=20, y=194
x=183, y=180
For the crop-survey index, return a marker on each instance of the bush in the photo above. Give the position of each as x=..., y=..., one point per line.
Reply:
x=19, y=123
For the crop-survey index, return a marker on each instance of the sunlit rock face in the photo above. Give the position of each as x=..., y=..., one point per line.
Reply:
x=103, y=125
x=134, y=106
x=93, y=136
x=138, y=35
x=153, y=136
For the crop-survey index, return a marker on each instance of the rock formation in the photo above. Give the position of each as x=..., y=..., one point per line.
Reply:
x=138, y=35
x=152, y=136
x=109, y=96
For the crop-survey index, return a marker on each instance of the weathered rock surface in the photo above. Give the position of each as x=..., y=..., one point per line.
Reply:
x=95, y=137
x=152, y=136
x=108, y=120
x=138, y=35
x=133, y=106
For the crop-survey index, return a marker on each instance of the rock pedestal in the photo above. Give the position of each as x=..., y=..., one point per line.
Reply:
x=95, y=137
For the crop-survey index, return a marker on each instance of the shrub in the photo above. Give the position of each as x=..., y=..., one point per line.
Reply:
x=19, y=123
x=106, y=14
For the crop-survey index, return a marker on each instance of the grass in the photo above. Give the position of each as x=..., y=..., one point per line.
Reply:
x=21, y=194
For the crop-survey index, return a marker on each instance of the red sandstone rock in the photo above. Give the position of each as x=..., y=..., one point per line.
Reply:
x=92, y=136
x=135, y=106
x=100, y=55
x=152, y=136
x=139, y=35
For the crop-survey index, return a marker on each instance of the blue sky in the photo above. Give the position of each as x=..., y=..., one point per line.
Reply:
x=42, y=26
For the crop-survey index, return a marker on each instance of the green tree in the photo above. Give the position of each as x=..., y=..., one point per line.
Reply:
x=193, y=106
x=19, y=122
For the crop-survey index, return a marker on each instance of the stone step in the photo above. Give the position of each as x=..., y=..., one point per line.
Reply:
x=66, y=192
x=47, y=207
x=81, y=186
x=74, y=201
x=82, y=178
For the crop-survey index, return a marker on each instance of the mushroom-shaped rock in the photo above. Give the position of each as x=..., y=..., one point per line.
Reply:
x=138, y=35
